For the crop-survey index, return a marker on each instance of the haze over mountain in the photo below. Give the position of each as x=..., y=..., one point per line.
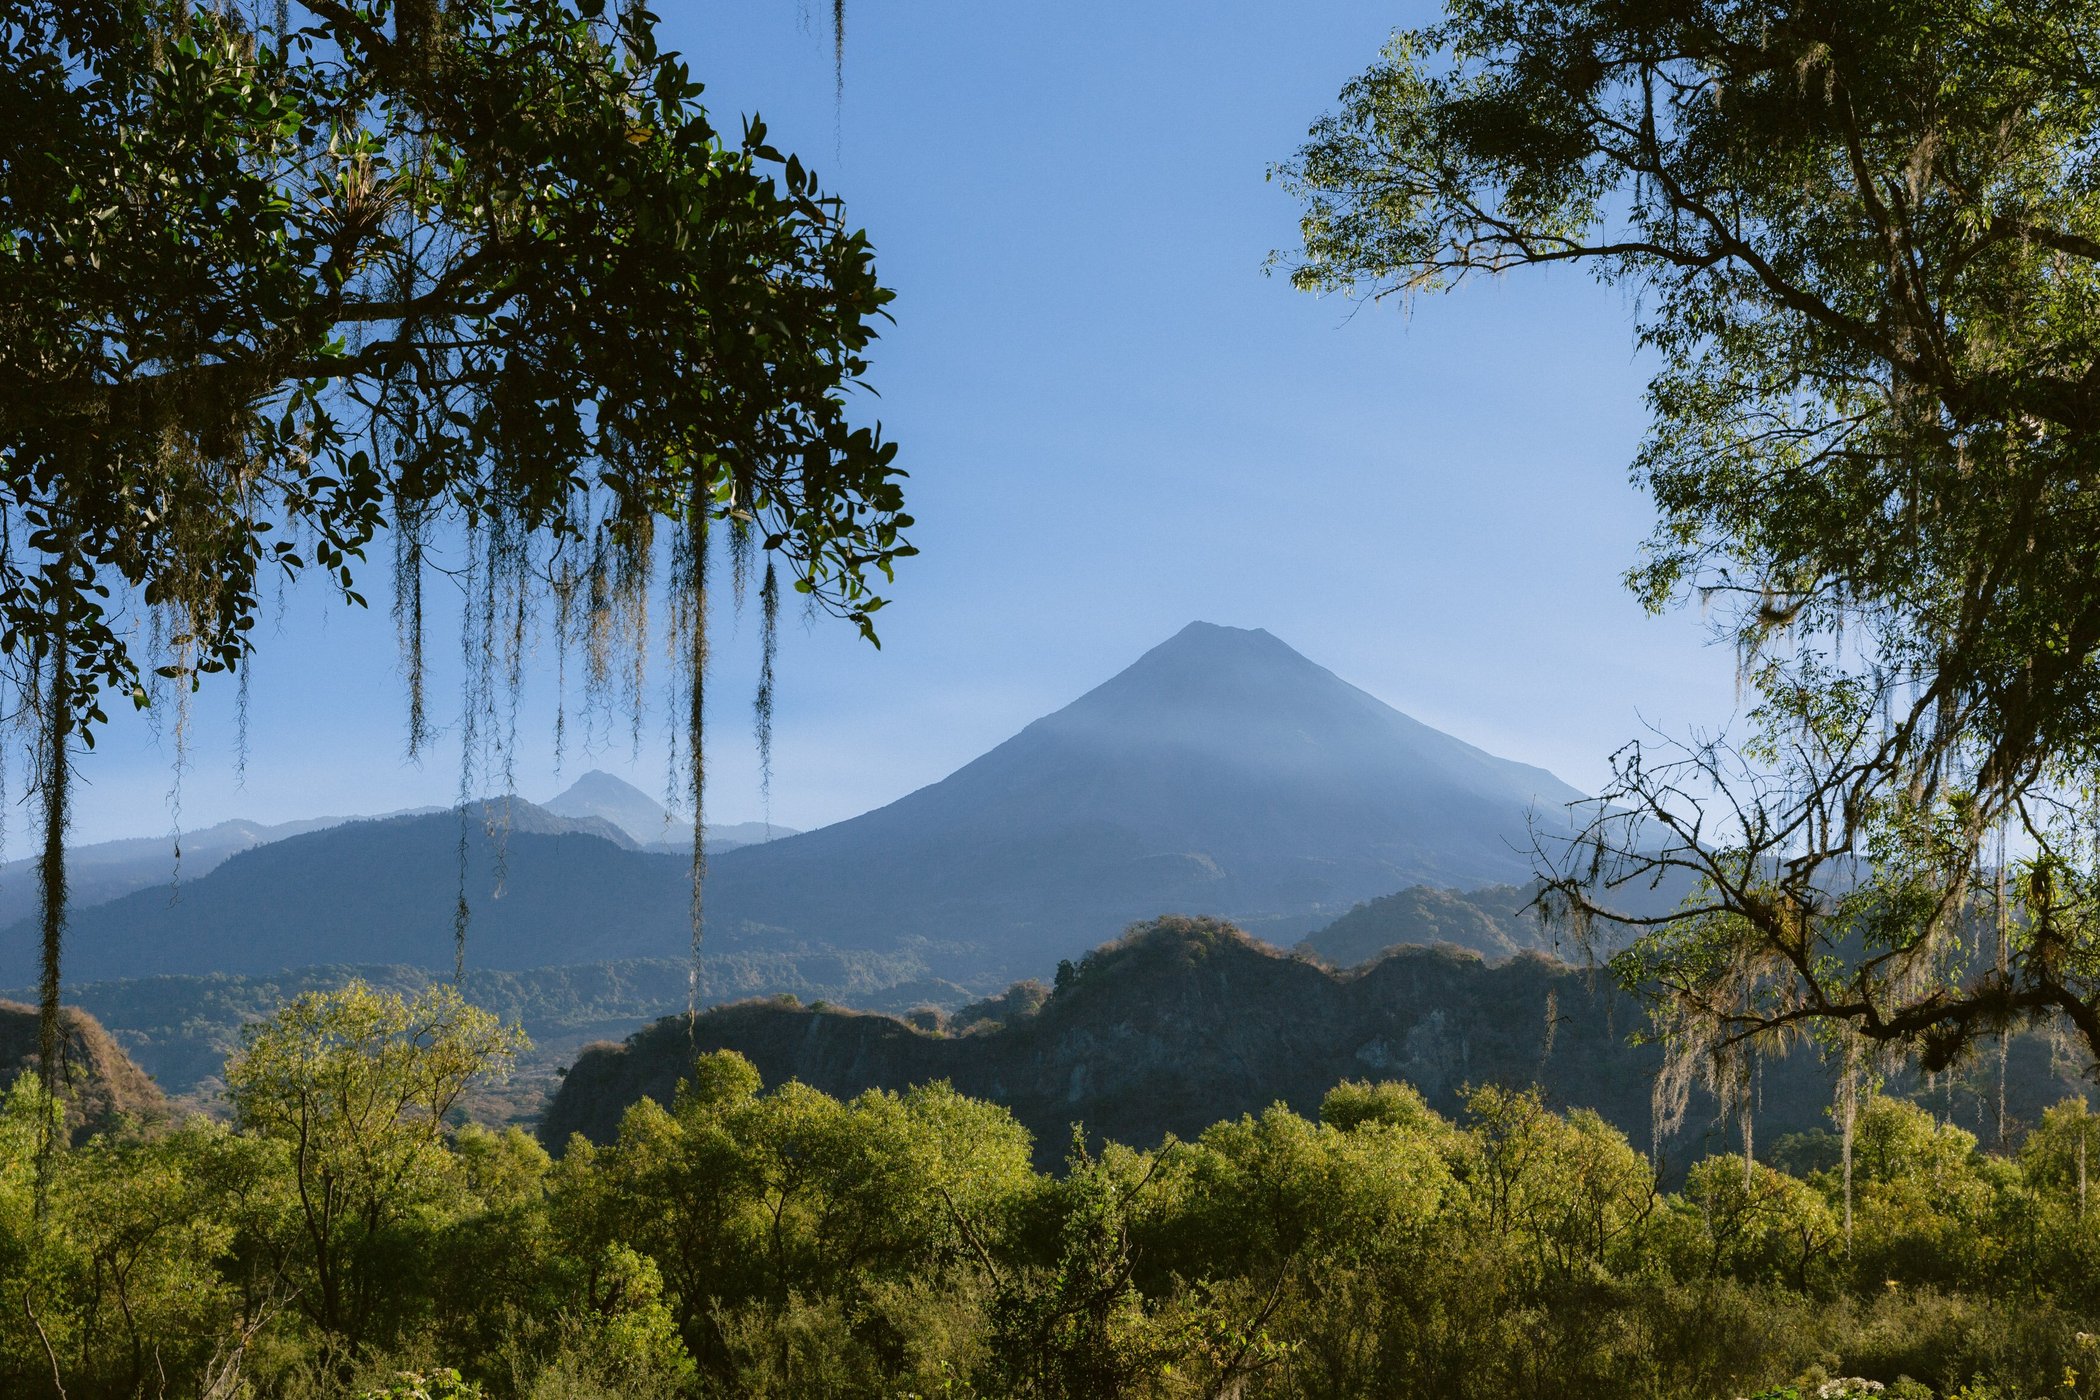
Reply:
x=107, y=870
x=104, y=870
x=384, y=890
x=600, y=794
x=1222, y=773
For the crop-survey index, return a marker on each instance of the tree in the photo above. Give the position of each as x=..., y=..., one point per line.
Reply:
x=1865, y=243
x=479, y=279
x=1759, y=1225
x=357, y=1085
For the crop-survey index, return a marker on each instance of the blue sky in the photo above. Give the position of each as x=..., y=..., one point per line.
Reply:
x=1114, y=424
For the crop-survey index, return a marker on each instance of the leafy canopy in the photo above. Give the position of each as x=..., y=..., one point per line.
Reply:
x=357, y=1087
x=1865, y=246
x=479, y=278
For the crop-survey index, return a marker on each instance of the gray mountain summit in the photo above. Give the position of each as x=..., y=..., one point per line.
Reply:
x=1222, y=773
x=601, y=794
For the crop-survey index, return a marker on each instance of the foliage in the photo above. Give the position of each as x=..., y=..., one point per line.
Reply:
x=442, y=1384
x=354, y=1087
x=480, y=275
x=754, y=1241
x=1865, y=246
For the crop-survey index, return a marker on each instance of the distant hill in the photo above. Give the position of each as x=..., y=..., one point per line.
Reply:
x=542, y=890
x=101, y=1083
x=1187, y=1021
x=1221, y=773
x=600, y=794
x=104, y=870
x=1495, y=921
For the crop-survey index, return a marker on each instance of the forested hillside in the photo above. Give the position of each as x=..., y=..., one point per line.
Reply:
x=1184, y=1021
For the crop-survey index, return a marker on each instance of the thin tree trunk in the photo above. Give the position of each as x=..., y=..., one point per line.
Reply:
x=1851, y=1118
x=51, y=866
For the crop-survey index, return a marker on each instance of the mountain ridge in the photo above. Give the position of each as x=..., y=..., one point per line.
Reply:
x=1220, y=773
x=385, y=890
x=99, y=871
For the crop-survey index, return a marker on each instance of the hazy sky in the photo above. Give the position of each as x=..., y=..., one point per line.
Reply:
x=1114, y=424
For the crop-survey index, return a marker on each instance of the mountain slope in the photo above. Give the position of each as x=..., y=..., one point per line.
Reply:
x=1221, y=773
x=546, y=890
x=601, y=794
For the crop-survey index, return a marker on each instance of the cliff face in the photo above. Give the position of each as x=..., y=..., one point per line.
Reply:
x=102, y=1084
x=1186, y=1021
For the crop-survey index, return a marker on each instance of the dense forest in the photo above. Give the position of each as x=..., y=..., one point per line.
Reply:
x=343, y=1237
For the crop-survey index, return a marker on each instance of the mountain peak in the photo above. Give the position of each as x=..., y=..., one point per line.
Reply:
x=1221, y=772
x=1214, y=639
x=1210, y=685
x=601, y=794
x=1199, y=629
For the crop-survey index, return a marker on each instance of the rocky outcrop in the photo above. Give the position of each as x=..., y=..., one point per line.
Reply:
x=102, y=1085
x=1187, y=1021
x=1179, y=1024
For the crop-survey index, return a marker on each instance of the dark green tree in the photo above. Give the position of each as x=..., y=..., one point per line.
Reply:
x=1864, y=244
x=479, y=279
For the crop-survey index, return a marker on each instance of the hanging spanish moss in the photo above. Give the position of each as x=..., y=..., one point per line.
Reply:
x=381, y=298
x=838, y=51
x=762, y=703
x=689, y=609
x=409, y=527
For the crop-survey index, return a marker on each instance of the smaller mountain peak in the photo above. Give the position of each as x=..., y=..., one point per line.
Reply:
x=598, y=780
x=602, y=794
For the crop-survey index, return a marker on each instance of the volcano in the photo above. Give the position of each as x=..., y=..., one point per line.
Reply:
x=1221, y=773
